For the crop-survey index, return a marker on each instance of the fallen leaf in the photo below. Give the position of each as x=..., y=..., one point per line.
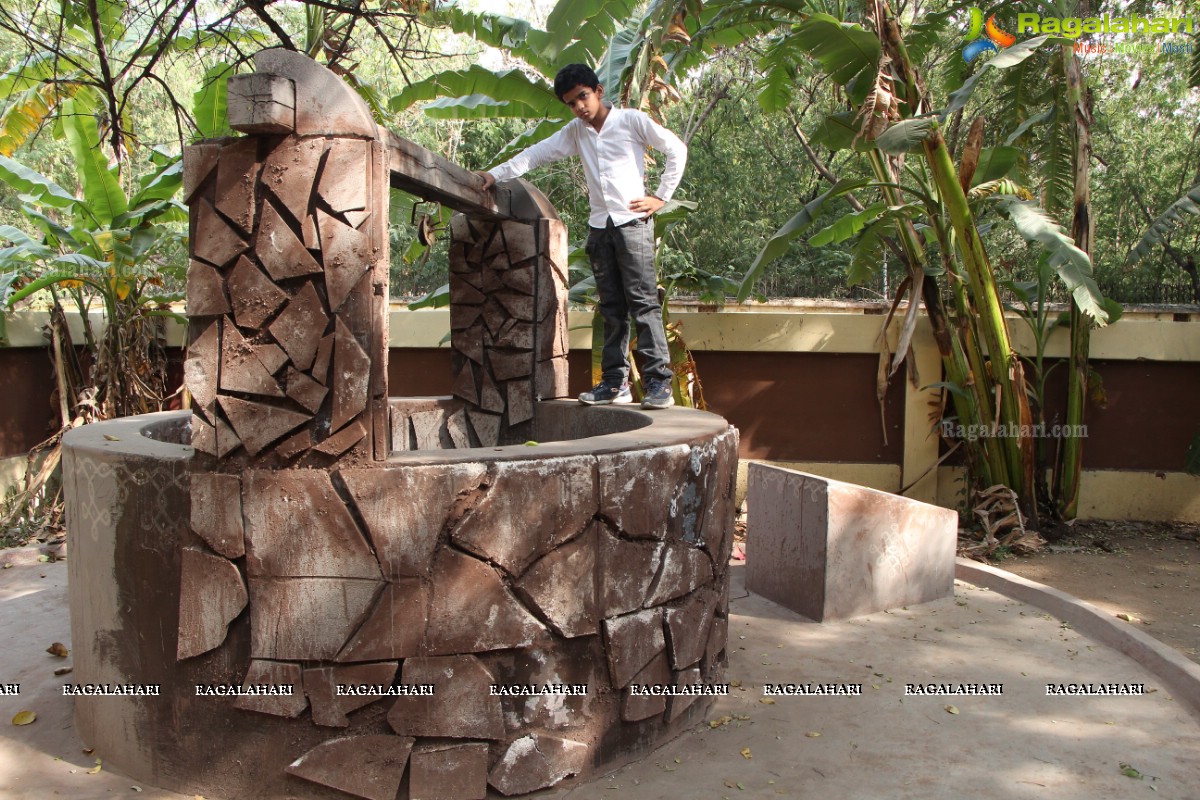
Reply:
x=766, y=701
x=99, y=766
x=58, y=649
x=1129, y=771
x=112, y=438
x=531, y=443
x=951, y=709
x=87, y=751
x=6, y=566
x=716, y=723
x=136, y=788
x=64, y=670
x=24, y=718
x=812, y=734
x=741, y=717
x=746, y=753
x=1128, y=617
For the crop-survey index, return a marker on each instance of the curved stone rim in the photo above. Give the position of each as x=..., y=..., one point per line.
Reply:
x=139, y=435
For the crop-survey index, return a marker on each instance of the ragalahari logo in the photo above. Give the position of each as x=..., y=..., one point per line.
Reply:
x=983, y=38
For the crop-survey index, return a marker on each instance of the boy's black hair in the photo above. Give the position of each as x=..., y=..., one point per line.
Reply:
x=574, y=75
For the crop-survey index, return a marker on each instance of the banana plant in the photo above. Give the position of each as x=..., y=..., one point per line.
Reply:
x=930, y=210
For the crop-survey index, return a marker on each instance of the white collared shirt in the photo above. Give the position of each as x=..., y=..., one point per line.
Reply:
x=614, y=161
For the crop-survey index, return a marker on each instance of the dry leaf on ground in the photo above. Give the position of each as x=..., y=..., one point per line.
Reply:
x=24, y=718
x=58, y=649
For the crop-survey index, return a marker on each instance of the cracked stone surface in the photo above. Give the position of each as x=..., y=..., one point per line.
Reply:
x=200, y=367
x=306, y=619
x=531, y=508
x=472, y=611
x=299, y=328
x=216, y=242
x=289, y=171
x=562, y=586
x=297, y=526
x=274, y=673
x=633, y=484
x=405, y=535
x=255, y=297
x=280, y=251
x=241, y=371
x=448, y=771
x=379, y=762
x=635, y=708
x=352, y=374
x=684, y=568
x=460, y=707
x=536, y=761
x=632, y=640
x=217, y=512
x=211, y=595
x=205, y=291
x=688, y=628
x=395, y=627
x=627, y=571
x=331, y=709
x=578, y=661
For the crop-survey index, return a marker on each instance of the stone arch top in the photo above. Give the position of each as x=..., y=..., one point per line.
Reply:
x=288, y=282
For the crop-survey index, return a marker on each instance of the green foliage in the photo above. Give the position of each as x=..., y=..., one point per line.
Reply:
x=1161, y=228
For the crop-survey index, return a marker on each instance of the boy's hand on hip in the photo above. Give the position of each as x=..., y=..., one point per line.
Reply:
x=488, y=180
x=647, y=205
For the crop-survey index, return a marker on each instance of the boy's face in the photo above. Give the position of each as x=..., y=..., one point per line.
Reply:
x=584, y=101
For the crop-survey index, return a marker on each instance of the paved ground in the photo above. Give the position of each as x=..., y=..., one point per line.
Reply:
x=880, y=745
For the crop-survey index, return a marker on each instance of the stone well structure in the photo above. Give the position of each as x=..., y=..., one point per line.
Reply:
x=373, y=565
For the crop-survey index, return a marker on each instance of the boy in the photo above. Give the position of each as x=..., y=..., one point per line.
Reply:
x=612, y=142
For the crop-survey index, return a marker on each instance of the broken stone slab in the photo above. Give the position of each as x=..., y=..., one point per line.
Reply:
x=320, y=366
x=295, y=445
x=536, y=761
x=635, y=708
x=448, y=771
x=551, y=378
x=716, y=525
x=462, y=291
x=427, y=425
x=205, y=291
x=344, y=179
x=486, y=427
x=369, y=766
x=217, y=512
x=347, y=253
x=300, y=326
x=627, y=571
x=199, y=160
x=272, y=674
x=632, y=485
x=298, y=526
x=395, y=627
x=289, y=171
x=684, y=569
x=241, y=371
x=271, y=356
x=464, y=383
x=237, y=174
x=631, y=642
x=304, y=390
x=519, y=279
x=227, y=440
x=255, y=297
x=490, y=398
x=461, y=706
x=306, y=619
x=456, y=426
x=688, y=628
x=331, y=709
x=469, y=342
x=520, y=401
x=562, y=586
x=279, y=250
x=518, y=305
x=831, y=550
x=520, y=239
x=532, y=507
x=211, y=595
x=351, y=377
x=200, y=368
x=216, y=241
x=714, y=652
x=506, y=365
x=471, y=610
x=578, y=662
x=204, y=436
x=258, y=103
x=405, y=535
x=343, y=440
x=679, y=703
x=257, y=424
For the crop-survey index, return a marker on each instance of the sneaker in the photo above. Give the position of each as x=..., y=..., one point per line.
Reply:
x=603, y=394
x=658, y=395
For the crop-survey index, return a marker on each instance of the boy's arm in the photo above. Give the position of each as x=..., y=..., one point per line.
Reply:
x=669, y=145
x=559, y=145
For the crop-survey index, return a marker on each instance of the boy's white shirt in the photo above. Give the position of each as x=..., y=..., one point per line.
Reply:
x=613, y=159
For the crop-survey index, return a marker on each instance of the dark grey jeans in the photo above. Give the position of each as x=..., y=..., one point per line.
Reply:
x=623, y=263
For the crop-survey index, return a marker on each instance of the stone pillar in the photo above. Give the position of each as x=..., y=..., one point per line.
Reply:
x=287, y=286
x=508, y=319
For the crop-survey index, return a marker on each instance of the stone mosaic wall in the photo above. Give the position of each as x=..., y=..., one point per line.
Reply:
x=317, y=555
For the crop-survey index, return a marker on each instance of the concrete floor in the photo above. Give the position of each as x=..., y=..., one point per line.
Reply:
x=880, y=745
